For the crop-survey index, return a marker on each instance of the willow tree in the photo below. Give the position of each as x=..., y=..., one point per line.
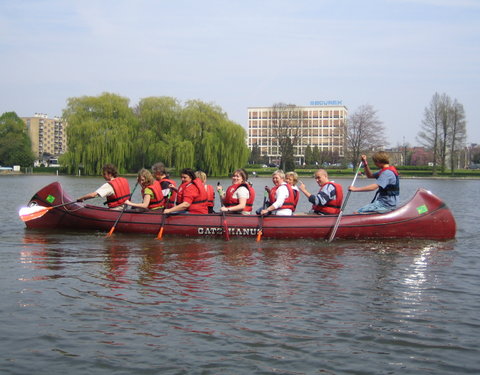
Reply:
x=100, y=130
x=219, y=144
x=158, y=124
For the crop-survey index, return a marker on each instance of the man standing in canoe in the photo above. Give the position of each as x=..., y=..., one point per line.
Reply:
x=387, y=183
x=328, y=200
x=116, y=189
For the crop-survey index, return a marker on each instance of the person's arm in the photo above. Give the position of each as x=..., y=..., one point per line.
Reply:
x=242, y=202
x=281, y=195
x=366, y=169
x=91, y=195
x=304, y=190
x=144, y=204
x=179, y=207
x=364, y=188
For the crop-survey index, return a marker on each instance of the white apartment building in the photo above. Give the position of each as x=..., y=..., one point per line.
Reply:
x=48, y=135
x=321, y=124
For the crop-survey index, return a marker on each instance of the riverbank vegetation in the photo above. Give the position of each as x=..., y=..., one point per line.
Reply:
x=105, y=129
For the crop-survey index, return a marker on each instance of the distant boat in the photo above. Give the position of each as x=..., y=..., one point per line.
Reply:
x=425, y=216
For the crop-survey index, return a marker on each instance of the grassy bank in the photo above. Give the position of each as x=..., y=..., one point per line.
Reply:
x=405, y=172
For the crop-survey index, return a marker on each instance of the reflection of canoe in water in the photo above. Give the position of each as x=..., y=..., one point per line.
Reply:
x=425, y=216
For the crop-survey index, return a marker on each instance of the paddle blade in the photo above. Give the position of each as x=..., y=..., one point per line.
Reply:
x=32, y=213
x=111, y=231
x=259, y=235
x=160, y=234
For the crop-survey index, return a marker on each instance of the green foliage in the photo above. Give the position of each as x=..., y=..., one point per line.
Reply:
x=105, y=129
x=15, y=146
x=100, y=130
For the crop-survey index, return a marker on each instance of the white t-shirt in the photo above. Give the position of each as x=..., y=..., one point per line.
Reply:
x=105, y=190
x=280, y=195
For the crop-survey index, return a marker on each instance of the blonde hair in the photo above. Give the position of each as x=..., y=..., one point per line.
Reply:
x=280, y=173
x=145, y=173
x=293, y=175
x=201, y=175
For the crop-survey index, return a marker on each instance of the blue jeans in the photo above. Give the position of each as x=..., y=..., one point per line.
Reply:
x=375, y=206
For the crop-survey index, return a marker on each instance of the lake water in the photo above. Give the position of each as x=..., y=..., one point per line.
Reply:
x=81, y=303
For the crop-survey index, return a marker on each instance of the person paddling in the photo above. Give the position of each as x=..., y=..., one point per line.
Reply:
x=209, y=189
x=191, y=195
x=152, y=194
x=292, y=179
x=281, y=196
x=239, y=197
x=387, y=182
x=116, y=189
x=161, y=175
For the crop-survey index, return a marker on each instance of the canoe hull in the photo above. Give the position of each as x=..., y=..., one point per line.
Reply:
x=425, y=216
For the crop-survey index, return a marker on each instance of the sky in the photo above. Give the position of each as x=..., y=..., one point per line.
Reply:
x=391, y=54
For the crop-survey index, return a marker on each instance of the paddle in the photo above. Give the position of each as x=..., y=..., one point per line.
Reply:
x=260, y=225
x=35, y=212
x=225, y=226
x=224, y=218
x=121, y=213
x=335, y=227
x=160, y=232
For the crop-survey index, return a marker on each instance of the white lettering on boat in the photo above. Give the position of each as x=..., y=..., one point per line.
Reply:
x=209, y=231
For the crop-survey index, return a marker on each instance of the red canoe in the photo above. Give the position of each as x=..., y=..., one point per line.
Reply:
x=425, y=216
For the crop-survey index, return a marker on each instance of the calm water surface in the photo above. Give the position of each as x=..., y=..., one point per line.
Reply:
x=80, y=303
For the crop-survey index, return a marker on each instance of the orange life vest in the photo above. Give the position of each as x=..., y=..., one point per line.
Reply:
x=289, y=201
x=158, y=199
x=229, y=201
x=173, y=194
x=199, y=204
x=210, y=195
x=121, y=192
x=333, y=206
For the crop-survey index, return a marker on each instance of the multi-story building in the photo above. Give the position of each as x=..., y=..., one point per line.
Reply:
x=321, y=124
x=48, y=135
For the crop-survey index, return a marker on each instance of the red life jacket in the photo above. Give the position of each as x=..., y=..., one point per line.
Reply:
x=121, y=190
x=333, y=206
x=210, y=195
x=229, y=201
x=296, y=198
x=289, y=201
x=158, y=199
x=199, y=204
x=173, y=194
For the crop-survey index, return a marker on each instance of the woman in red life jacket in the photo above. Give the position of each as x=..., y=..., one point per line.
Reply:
x=209, y=189
x=153, y=198
x=116, y=190
x=239, y=197
x=191, y=195
x=281, y=196
x=292, y=178
x=161, y=175
x=328, y=200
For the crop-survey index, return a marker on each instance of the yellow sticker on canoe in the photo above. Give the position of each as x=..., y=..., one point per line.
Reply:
x=422, y=209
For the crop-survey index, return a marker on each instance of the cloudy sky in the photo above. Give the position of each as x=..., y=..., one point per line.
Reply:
x=391, y=54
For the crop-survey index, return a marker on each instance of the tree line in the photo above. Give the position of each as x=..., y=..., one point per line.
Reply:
x=105, y=129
